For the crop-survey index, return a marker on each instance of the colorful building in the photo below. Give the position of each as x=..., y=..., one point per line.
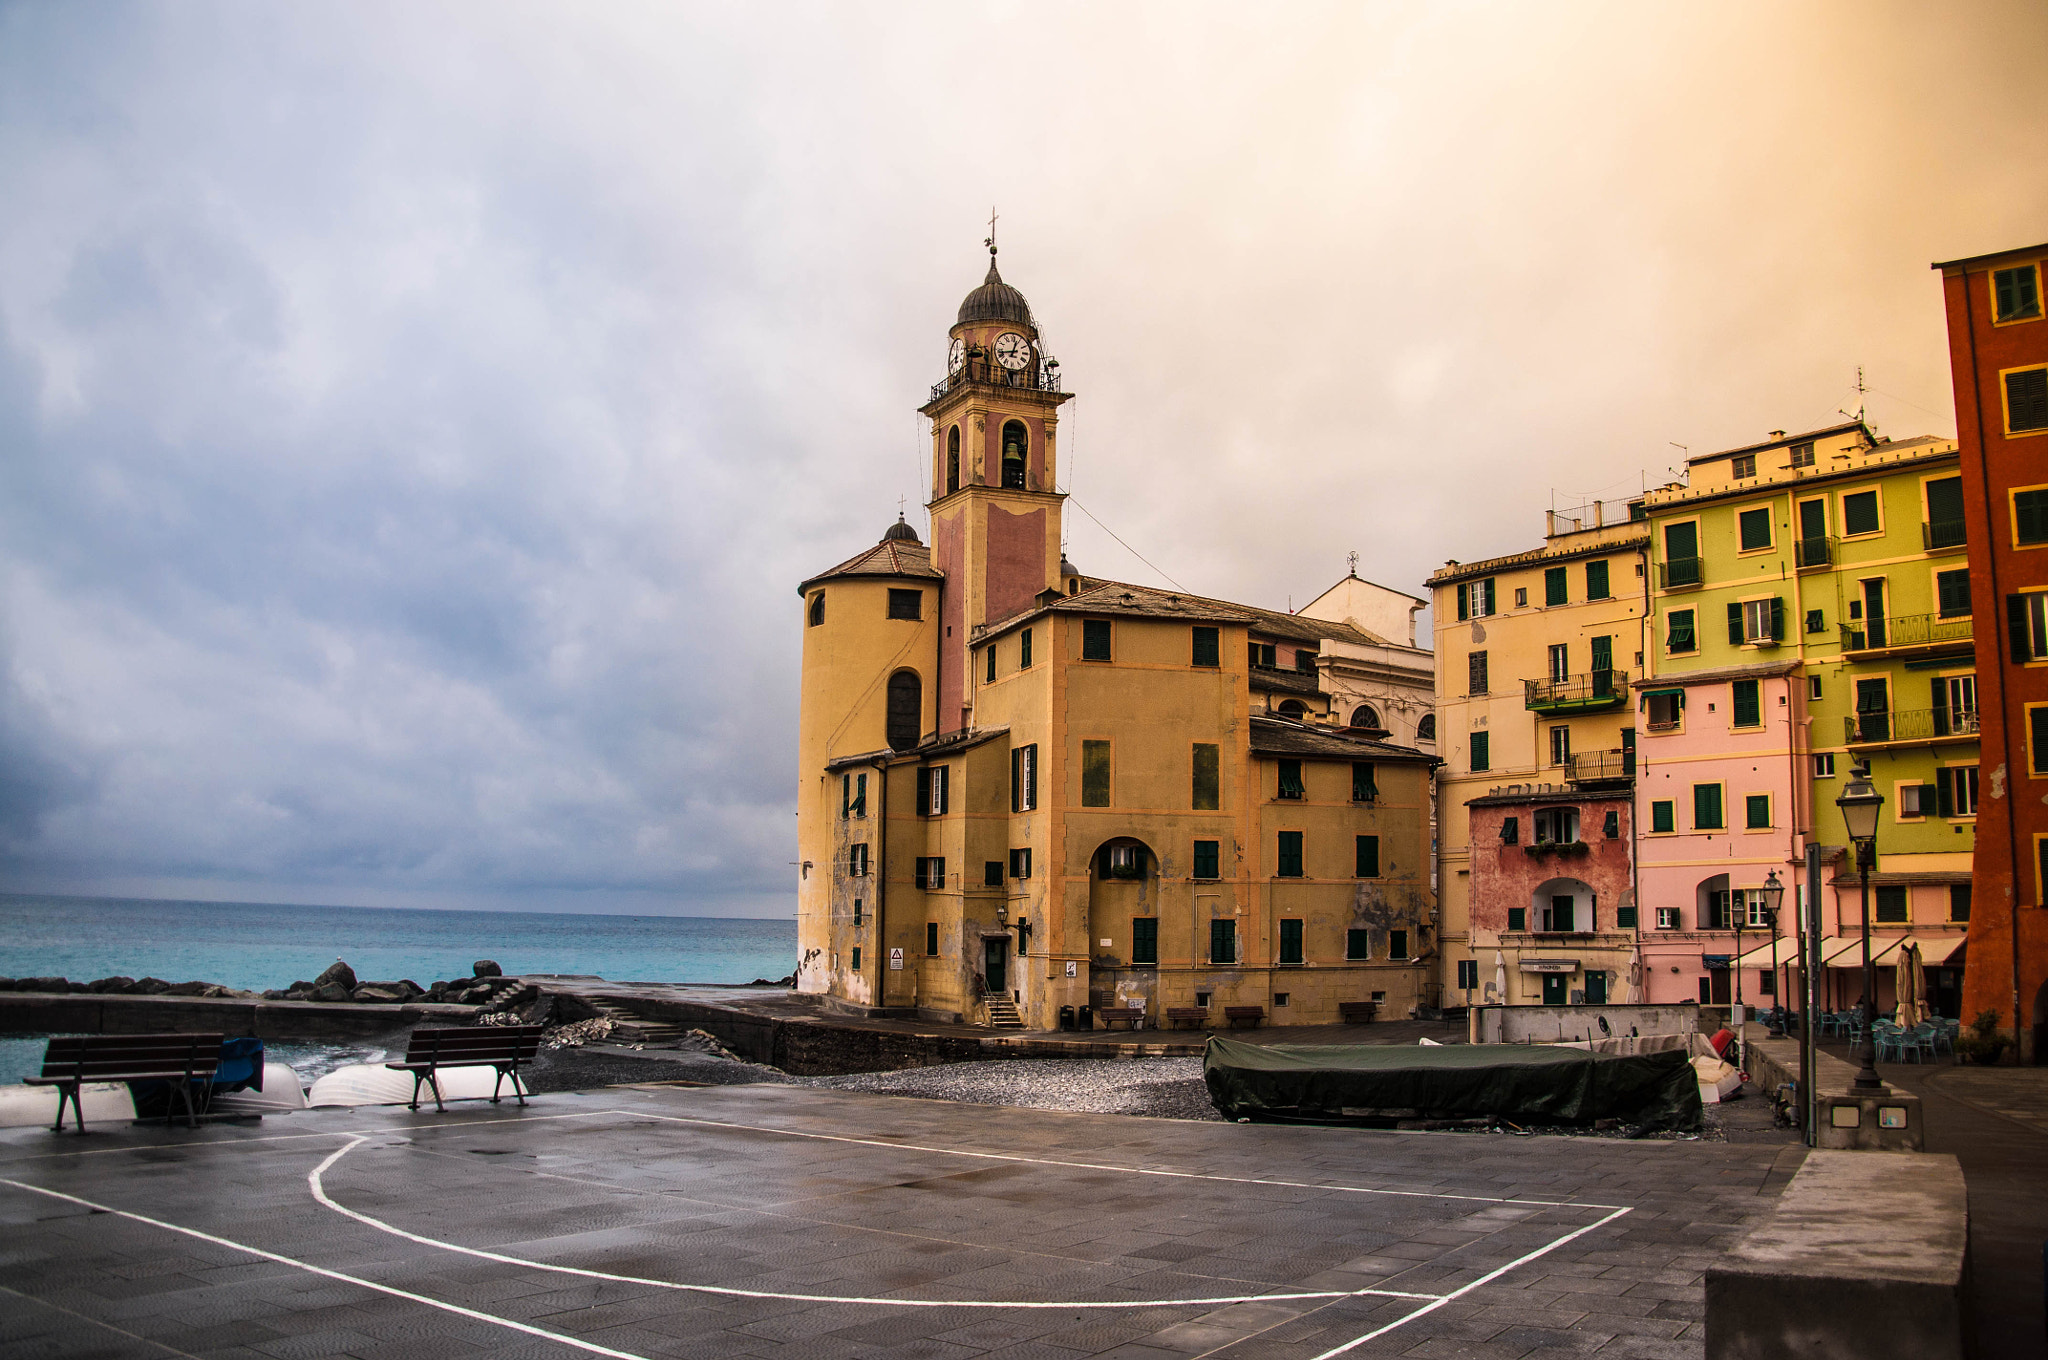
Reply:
x=1024, y=789
x=1998, y=357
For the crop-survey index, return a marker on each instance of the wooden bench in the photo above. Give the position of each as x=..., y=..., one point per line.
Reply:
x=1192, y=1015
x=185, y=1060
x=503, y=1047
x=1357, y=1012
x=1110, y=1015
x=1254, y=1014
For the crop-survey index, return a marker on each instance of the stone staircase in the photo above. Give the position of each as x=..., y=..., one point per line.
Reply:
x=1002, y=1013
x=633, y=1029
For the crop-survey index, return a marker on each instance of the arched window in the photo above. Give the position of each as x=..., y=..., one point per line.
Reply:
x=1426, y=729
x=1016, y=448
x=1365, y=715
x=817, y=609
x=953, y=459
x=906, y=710
x=1293, y=708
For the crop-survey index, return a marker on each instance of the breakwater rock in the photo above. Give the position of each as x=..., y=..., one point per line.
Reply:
x=337, y=983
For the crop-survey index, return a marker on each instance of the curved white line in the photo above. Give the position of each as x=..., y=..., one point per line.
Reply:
x=315, y=1180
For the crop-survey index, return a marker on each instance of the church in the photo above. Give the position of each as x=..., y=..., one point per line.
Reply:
x=1024, y=789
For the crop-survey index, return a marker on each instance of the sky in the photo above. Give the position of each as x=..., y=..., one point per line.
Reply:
x=415, y=419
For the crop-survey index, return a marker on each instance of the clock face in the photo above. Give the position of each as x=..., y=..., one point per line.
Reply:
x=1013, y=351
x=956, y=355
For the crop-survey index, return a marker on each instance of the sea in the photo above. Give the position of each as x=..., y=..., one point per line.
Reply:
x=255, y=946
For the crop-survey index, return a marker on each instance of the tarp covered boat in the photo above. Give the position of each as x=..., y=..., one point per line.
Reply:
x=1525, y=1084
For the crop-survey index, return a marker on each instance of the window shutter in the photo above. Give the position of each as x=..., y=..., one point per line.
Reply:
x=2037, y=744
x=1777, y=618
x=846, y=791
x=1464, y=602
x=924, y=785
x=1510, y=829
x=1735, y=624
x=1944, y=793
x=2016, y=627
x=1518, y=918
x=1488, y=583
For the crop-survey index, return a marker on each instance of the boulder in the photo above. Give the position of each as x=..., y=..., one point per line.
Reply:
x=149, y=986
x=484, y=968
x=373, y=993
x=114, y=985
x=330, y=991
x=187, y=989
x=337, y=974
x=277, y=994
x=6, y=984
x=80, y=986
x=42, y=984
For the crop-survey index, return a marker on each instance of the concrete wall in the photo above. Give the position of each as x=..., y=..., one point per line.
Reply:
x=90, y=1013
x=1548, y=1024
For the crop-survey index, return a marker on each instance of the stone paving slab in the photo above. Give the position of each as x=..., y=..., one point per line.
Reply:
x=840, y=1209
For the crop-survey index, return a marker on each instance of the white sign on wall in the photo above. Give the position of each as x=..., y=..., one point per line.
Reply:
x=1073, y=969
x=896, y=960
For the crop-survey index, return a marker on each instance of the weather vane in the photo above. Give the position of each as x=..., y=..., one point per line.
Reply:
x=1352, y=558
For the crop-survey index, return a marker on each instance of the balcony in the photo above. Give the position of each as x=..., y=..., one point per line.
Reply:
x=1600, y=767
x=1808, y=553
x=1589, y=693
x=1941, y=535
x=1908, y=726
x=1680, y=571
x=1906, y=633
x=983, y=372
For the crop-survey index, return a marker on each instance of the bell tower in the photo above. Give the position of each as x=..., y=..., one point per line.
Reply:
x=995, y=507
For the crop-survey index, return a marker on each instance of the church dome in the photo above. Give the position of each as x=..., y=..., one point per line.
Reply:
x=994, y=301
x=900, y=532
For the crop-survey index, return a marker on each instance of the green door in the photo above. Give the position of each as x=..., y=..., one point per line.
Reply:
x=1555, y=989
x=1596, y=988
x=995, y=955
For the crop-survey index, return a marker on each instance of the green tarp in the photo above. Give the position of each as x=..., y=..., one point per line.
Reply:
x=1526, y=1084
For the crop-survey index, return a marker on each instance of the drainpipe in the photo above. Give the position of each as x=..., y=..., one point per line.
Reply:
x=881, y=764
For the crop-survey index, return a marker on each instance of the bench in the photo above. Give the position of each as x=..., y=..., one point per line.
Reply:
x=503, y=1047
x=1357, y=1012
x=1110, y=1015
x=1253, y=1014
x=186, y=1060
x=1192, y=1015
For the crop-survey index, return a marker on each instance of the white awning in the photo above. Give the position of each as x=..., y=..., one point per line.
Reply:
x=1779, y=953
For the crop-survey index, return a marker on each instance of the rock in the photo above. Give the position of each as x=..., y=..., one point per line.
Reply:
x=149, y=986
x=80, y=986
x=330, y=991
x=384, y=996
x=337, y=974
x=6, y=984
x=42, y=984
x=300, y=987
x=485, y=968
x=187, y=989
x=277, y=994
x=115, y=985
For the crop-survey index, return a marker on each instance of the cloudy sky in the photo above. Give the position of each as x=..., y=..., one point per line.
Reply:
x=414, y=420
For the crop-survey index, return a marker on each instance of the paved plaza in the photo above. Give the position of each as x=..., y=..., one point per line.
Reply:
x=770, y=1220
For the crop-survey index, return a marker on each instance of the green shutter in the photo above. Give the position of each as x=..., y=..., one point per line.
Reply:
x=1944, y=793
x=1290, y=780
x=1145, y=939
x=1555, y=591
x=1757, y=811
x=1290, y=854
x=1664, y=816
x=1208, y=781
x=2016, y=629
x=2026, y=400
x=1464, y=601
x=1357, y=945
x=1748, y=703
x=1518, y=919
x=1596, y=580
x=1207, y=647
x=1625, y=918
x=1024, y=651
x=1481, y=760
x=1734, y=624
x=1095, y=639
x=1290, y=940
x=1603, y=654
x=1223, y=942
x=1859, y=513
x=1206, y=859
x=1094, y=774
x=1706, y=807
x=1777, y=618
x=1368, y=857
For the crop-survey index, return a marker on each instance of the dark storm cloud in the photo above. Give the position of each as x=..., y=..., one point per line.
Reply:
x=414, y=420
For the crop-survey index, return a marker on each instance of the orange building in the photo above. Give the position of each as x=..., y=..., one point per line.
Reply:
x=1998, y=356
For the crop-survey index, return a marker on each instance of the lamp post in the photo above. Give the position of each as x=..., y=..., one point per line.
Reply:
x=1860, y=803
x=1772, y=893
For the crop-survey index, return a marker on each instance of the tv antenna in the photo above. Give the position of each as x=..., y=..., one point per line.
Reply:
x=1860, y=390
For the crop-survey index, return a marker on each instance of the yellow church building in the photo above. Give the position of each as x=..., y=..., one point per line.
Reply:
x=1023, y=789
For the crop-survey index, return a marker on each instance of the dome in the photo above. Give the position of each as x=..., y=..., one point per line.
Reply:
x=900, y=532
x=994, y=301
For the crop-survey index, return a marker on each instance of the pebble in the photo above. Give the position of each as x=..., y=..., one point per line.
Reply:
x=1162, y=1088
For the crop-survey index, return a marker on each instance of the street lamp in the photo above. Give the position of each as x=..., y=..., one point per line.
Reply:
x=1773, y=893
x=1768, y=898
x=1860, y=803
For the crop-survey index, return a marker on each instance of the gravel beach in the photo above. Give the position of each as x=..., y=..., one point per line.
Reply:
x=1162, y=1088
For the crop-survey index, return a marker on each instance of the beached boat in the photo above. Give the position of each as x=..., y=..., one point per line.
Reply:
x=25, y=1106
x=376, y=1084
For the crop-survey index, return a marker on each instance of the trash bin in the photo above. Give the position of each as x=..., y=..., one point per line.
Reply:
x=1066, y=1017
x=1084, y=1018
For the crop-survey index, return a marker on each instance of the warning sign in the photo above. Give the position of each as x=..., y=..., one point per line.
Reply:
x=896, y=960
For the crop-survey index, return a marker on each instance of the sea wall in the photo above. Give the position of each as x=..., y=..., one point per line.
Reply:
x=94, y=1013
x=1552, y=1024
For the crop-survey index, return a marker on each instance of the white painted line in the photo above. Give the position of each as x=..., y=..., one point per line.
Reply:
x=1129, y=1170
x=310, y=1269
x=315, y=1180
x=436, y=1122
x=1487, y=1278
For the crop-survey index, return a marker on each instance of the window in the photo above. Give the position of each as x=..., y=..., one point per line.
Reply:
x=1706, y=807
x=1610, y=825
x=1748, y=703
x=1094, y=774
x=1475, y=599
x=1125, y=861
x=2030, y=516
x=817, y=609
x=1426, y=729
x=1664, y=816
x=1742, y=465
x=1670, y=918
x=1468, y=974
x=929, y=873
x=1223, y=942
x=1304, y=661
x=857, y=860
x=1560, y=745
x=1206, y=859
x=1662, y=709
x=990, y=678
x=1755, y=528
x=953, y=459
x=1357, y=945
x=856, y=911
x=1290, y=780
x=1481, y=754
x=906, y=604
x=856, y=958
x=1206, y=777
x=1802, y=454
x=1559, y=659
x=1859, y=513
x=1915, y=800
x=1365, y=715
x=1959, y=903
x=1510, y=830
x=1766, y=982
x=1364, y=786
x=934, y=787
x=1824, y=765
x=1208, y=648
x=1813, y=687
x=1596, y=580
x=1024, y=778
x=1145, y=939
x=1816, y=621
x=1095, y=639
x=1397, y=944
x=1475, y=673
x=1955, y=791
x=1891, y=905
x=1757, y=812
x=905, y=710
x=991, y=873
x=1290, y=855
x=1518, y=918
x=1756, y=622
x=1680, y=635
x=1024, y=651
x=931, y=939
x=1521, y=597
x=1557, y=826
x=1016, y=445
x=1020, y=862
x=1368, y=857
x=1952, y=590
x=2016, y=292
x=1682, y=554
x=853, y=796
x=1290, y=939
x=1945, y=513
x=2026, y=400
x=1554, y=589
x=1261, y=655
x=1558, y=915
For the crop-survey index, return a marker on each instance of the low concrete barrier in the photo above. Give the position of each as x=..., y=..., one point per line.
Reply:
x=1866, y=1255
x=97, y=1013
x=1553, y=1024
x=1848, y=1121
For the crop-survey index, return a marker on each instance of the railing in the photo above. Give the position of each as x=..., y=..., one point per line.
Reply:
x=1034, y=377
x=1909, y=724
x=1941, y=533
x=1911, y=630
x=1814, y=552
x=1596, y=767
x=1680, y=571
x=1595, y=689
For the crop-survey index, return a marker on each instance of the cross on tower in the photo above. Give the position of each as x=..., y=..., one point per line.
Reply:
x=991, y=241
x=1352, y=558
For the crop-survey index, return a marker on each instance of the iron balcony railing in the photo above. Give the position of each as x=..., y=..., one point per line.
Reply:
x=1910, y=630
x=1941, y=533
x=1680, y=571
x=1576, y=693
x=1909, y=724
x=988, y=373
x=1599, y=767
x=1814, y=552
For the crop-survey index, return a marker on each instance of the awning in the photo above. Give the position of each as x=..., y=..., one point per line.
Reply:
x=1549, y=965
x=1782, y=952
x=1847, y=951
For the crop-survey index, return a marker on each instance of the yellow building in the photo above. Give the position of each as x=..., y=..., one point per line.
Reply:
x=1023, y=789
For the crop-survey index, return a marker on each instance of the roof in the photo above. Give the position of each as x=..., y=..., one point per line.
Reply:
x=948, y=744
x=1522, y=795
x=1780, y=440
x=1994, y=255
x=1761, y=670
x=891, y=557
x=994, y=300
x=1265, y=680
x=1452, y=572
x=1279, y=737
